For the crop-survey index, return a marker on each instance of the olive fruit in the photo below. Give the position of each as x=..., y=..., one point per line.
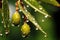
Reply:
x=16, y=18
x=25, y=29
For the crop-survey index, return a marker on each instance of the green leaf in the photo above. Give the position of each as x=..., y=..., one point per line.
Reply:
x=53, y=2
x=31, y=18
x=2, y=30
x=34, y=4
x=5, y=13
x=47, y=24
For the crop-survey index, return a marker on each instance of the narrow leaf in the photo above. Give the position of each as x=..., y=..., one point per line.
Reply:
x=5, y=13
x=34, y=4
x=53, y=2
x=30, y=17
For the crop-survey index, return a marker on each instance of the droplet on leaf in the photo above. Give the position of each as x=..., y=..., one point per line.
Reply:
x=6, y=32
x=2, y=22
x=36, y=28
x=27, y=5
x=42, y=20
x=1, y=34
x=46, y=16
x=27, y=20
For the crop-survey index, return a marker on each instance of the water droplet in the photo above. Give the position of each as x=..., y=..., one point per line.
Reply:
x=36, y=28
x=35, y=10
x=26, y=10
x=12, y=24
x=36, y=24
x=27, y=5
x=46, y=16
x=40, y=8
x=19, y=10
x=18, y=25
x=1, y=34
x=6, y=31
x=27, y=20
x=45, y=35
x=22, y=16
x=42, y=20
x=2, y=1
x=33, y=19
x=23, y=36
x=2, y=22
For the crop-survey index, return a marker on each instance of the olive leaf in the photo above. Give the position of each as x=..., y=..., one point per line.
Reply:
x=15, y=31
x=30, y=17
x=5, y=13
x=34, y=4
x=53, y=2
x=4, y=20
x=2, y=30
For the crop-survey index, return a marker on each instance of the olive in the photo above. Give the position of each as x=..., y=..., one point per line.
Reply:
x=25, y=29
x=16, y=18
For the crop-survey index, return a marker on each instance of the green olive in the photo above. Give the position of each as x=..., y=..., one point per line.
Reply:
x=16, y=18
x=25, y=29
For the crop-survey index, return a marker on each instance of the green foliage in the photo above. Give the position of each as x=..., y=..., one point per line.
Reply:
x=42, y=17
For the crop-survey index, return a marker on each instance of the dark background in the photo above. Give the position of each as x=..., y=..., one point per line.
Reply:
x=57, y=20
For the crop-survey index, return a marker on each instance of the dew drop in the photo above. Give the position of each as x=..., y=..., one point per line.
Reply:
x=6, y=31
x=35, y=23
x=23, y=36
x=42, y=20
x=40, y=8
x=22, y=16
x=35, y=10
x=19, y=10
x=2, y=22
x=26, y=10
x=12, y=24
x=2, y=1
x=33, y=19
x=1, y=34
x=27, y=5
x=36, y=28
x=18, y=25
x=45, y=35
x=27, y=20
x=46, y=16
